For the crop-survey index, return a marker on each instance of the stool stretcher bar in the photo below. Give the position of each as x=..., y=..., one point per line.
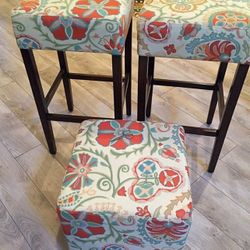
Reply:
x=146, y=81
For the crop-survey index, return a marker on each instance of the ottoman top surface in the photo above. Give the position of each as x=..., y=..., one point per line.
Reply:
x=74, y=25
x=212, y=30
x=128, y=168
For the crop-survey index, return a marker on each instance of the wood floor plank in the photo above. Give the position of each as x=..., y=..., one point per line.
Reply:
x=207, y=143
x=10, y=236
x=22, y=105
x=185, y=102
x=205, y=235
x=222, y=212
x=32, y=213
x=13, y=134
x=44, y=170
x=239, y=135
x=4, y=78
x=239, y=160
x=231, y=183
x=171, y=113
x=198, y=155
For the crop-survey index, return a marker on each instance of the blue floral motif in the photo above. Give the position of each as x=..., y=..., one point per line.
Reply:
x=147, y=167
x=178, y=132
x=26, y=42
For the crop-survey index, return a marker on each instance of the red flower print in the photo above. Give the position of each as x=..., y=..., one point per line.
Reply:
x=169, y=152
x=119, y=134
x=157, y=31
x=181, y=213
x=81, y=224
x=189, y=30
x=122, y=192
x=170, y=49
x=163, y=229
x=185, y=214
x=111, y=43
x=147, y=14
x=96, y=8
x=29, y=5
x=143, y=212
x=171, y=179
x=77, y=172
x=219, y=50
x=132, y=240
x=188, y=171
x=190, y=205
x=64, y=28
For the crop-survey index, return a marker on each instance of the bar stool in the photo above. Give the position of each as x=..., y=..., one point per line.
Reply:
x=198, y=30
x=102, y=26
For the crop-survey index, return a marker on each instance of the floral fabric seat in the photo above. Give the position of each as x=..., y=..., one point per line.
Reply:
x=126, y=187
x=196, y=29
x=73, y=25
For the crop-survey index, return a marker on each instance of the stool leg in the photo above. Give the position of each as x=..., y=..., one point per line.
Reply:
x=142, y=88
x=232, y=99
x=117, y=86
x=218, y=87
x=35, y=83
x=128, y=68
x=66, y=81
x=151, y=67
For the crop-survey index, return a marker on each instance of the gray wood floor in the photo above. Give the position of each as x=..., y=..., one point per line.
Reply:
x=30, y=177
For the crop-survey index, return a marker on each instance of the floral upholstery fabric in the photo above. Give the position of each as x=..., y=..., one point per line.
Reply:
x=212, y=30
x=74, y=25
x=126, y=187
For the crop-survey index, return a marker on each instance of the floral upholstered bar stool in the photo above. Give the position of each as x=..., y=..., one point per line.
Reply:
x=96, y=26
x=210, y=30
x=127, y=187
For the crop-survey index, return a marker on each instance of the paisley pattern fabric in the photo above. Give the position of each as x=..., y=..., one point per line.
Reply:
x=73, y=25
x=212, y=30
x=126, y=187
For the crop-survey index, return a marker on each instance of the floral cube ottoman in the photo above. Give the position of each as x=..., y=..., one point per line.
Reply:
x=126, y=187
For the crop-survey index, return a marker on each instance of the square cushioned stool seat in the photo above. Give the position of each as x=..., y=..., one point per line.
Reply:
x=126, y=187
x=73, y=25
x=202, y=30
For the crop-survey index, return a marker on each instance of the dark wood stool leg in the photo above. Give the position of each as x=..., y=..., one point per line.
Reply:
x=217, y=91
x=151, y=67
x=142, y=88
x=128, y=69
x=232, y=99
x=66, y=81
x=35, y=83
x=117, y=86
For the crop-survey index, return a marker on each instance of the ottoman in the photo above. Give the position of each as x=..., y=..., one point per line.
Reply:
x=126, y=187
